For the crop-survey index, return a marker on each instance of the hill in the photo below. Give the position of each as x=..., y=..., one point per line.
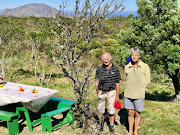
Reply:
x=37, y=10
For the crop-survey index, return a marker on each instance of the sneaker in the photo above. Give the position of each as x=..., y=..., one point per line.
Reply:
x=111, y=130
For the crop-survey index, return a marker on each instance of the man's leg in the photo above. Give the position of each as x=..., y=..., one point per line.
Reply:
x=102, y=123
x=111, y=119
x=110, y=101
x=101, y=108
x=131, y=113
x=137, y=121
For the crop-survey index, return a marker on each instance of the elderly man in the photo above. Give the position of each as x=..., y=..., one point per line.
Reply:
x=137, y=78
x=107, y=87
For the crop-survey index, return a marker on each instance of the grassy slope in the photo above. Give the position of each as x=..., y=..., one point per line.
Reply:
x=158, y=118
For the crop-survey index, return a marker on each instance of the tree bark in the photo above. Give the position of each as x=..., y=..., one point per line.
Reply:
x=175, y=80
x=78, y=98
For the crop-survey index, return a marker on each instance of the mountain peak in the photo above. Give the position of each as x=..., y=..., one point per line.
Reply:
x=34, y=9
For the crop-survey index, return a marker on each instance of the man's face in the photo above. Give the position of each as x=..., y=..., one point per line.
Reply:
x=135, y=57
x=106, y=59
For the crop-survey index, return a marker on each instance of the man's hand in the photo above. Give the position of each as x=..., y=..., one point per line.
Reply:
x=97, y=91
x=117, y=98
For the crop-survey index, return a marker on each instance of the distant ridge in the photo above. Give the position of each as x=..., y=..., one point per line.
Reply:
x=37, y=10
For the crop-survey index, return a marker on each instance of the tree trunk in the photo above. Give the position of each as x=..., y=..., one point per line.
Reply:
x=175, y=80
x=78, y=98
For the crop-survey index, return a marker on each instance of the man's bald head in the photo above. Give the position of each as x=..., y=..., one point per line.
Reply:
x=106, y=58
x=106, y=55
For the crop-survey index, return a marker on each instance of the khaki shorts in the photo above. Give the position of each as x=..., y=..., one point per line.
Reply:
x=104, y=97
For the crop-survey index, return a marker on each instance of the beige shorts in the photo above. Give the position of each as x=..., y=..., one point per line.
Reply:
x=104, y=97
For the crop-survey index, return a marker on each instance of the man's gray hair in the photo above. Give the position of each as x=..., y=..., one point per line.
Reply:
x=104, y=54
x=135, y=50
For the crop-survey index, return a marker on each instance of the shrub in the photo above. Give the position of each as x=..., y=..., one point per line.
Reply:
x=110, y=49
x=97, y=52
x=97, y=44
x=121, y=55
x=110, y=42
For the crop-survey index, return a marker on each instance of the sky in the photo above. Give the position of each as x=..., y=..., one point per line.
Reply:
x=129, y=4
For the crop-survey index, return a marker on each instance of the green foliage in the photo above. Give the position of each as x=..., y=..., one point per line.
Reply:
x=157, y=34
x=97, y=44
x=121, y=55
x=108, y=28
x=74, y=40
x=110, y=42
x=48, y=51
x=15, y=62
x=112, y=49
x=114, y=35
x=97, y=52
x=105, y=36
x=130, y=15
x=85, y=45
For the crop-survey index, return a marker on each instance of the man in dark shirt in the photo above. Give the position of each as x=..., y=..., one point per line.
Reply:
x=107, y=87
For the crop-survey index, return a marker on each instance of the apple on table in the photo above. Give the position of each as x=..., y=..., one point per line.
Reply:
x=34, y=91
x=21, y=88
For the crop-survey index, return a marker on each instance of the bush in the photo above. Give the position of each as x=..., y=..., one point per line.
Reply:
x=110, y=42
x=122, y=54
x=110, y=49
x=88, y=47
x=97, y=52
x=105, y=36
x=114, y=35
x=97, y=44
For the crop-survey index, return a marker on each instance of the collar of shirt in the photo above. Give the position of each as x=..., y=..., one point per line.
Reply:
x=109, y=68
x=140, y=64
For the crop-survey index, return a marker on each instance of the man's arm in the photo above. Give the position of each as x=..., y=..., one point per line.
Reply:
x=97, y=80
x=118, y=78
x=117, y=91
x=96, y=85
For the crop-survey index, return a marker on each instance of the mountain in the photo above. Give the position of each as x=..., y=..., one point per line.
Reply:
x=37, y=10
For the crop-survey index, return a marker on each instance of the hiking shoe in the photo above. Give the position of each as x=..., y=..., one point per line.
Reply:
x=111, y=130
x=101, y=129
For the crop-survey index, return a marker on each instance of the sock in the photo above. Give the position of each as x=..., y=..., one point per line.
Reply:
x=111, y=126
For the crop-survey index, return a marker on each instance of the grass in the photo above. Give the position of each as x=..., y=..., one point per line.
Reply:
x=158, y=117
x=158, y=92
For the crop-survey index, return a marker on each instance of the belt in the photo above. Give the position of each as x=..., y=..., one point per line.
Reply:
x=106, y=90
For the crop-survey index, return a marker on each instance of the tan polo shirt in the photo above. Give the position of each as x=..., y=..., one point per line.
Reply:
x=137, y=78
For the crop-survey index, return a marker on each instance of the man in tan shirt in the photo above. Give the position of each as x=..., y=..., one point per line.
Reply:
x=137, y=78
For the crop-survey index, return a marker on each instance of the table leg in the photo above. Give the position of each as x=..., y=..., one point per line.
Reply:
x=26, y=113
